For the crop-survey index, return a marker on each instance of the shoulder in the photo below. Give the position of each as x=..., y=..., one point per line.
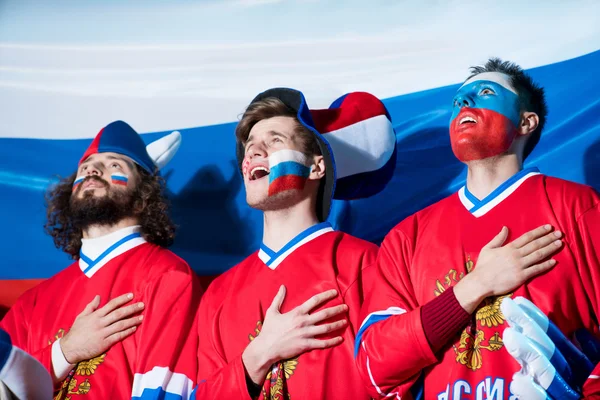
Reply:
x=48, y=286
x=352, y=248
x=159, y=260
x=228, y=280
x=411, y=226
x=153, y=266
x=574, y=197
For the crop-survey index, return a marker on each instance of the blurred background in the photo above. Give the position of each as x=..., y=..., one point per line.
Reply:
x=69, y=67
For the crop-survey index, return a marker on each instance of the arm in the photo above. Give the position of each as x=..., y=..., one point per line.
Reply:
x=165, y=361
x=392, y=328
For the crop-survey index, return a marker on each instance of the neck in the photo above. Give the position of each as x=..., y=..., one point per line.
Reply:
x=484, y=176
x=95, y=231
x=281, y=226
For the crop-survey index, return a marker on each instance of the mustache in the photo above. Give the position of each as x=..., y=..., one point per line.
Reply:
x=95, y=178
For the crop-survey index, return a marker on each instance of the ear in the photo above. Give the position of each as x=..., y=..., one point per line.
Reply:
x=317, y=169
x=529, y=123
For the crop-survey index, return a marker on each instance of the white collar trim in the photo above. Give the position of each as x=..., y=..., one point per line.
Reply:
x=481, y=207
x=272, y=259
x=97, y=252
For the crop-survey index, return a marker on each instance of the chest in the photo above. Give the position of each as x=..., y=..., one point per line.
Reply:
x=242, y=312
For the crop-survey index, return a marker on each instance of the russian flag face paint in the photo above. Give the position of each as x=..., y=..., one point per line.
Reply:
x=118, y=178
x=486, y=114
x=77, y=182
x=289, y=170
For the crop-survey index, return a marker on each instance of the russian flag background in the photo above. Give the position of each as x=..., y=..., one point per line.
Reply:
x=69, y=68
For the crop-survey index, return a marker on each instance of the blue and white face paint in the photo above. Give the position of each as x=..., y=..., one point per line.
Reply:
x=485, y=117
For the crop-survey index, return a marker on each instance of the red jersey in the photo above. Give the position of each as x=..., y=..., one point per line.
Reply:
x=432, y=250
x=234, y=306
x=159, y=357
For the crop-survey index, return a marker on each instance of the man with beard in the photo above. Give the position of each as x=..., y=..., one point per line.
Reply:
x=430, y=313
x=275, y=325
x=111, y=217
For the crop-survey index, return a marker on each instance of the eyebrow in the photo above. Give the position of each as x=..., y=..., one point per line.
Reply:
x=279, y=134
x=126, y=161
x=272, y=133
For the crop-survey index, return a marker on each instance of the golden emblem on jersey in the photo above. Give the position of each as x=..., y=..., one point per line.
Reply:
x=76, y=382
x=473, y=342
x=273, y=388
x=468, y=352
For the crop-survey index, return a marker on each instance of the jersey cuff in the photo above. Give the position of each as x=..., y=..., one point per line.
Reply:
x=442, y=318
x=60, y=366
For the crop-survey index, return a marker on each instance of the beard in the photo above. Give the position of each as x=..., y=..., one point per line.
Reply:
x=106, y=210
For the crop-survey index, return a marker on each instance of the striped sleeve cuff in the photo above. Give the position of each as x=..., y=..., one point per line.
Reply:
x=442, y=318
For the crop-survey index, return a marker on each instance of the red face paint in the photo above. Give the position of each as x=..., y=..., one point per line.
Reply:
x=245, y=165
x=490, y=135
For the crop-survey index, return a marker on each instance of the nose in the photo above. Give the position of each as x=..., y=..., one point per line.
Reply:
x=93, y=170
x=258, y=150
x=463, y=100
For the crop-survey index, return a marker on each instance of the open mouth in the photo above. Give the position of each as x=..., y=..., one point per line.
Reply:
x=258, y=172
x=467, y=120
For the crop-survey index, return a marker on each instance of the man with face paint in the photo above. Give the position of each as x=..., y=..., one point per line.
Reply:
x=433, y=314
x=111, y=217
x=281, y=324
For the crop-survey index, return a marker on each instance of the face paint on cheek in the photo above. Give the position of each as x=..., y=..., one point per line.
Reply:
x=78, y=181
x=119, y=178
x=490, y=136
x=489, y=109
x=289, y=170
x=245, y=166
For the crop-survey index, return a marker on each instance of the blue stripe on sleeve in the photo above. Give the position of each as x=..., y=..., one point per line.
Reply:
x=372, y=320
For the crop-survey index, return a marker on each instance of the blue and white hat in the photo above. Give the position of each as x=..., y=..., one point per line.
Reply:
x=355, y=136
x=119, y=137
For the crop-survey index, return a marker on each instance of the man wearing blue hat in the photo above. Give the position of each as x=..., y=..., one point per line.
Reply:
x=112, y=218
x=281, y=323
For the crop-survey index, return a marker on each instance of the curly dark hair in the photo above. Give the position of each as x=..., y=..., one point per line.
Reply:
x=148, y=204
x=531, y=94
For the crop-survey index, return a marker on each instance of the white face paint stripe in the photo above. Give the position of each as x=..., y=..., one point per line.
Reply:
x=496, y=77
x=287, y=155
